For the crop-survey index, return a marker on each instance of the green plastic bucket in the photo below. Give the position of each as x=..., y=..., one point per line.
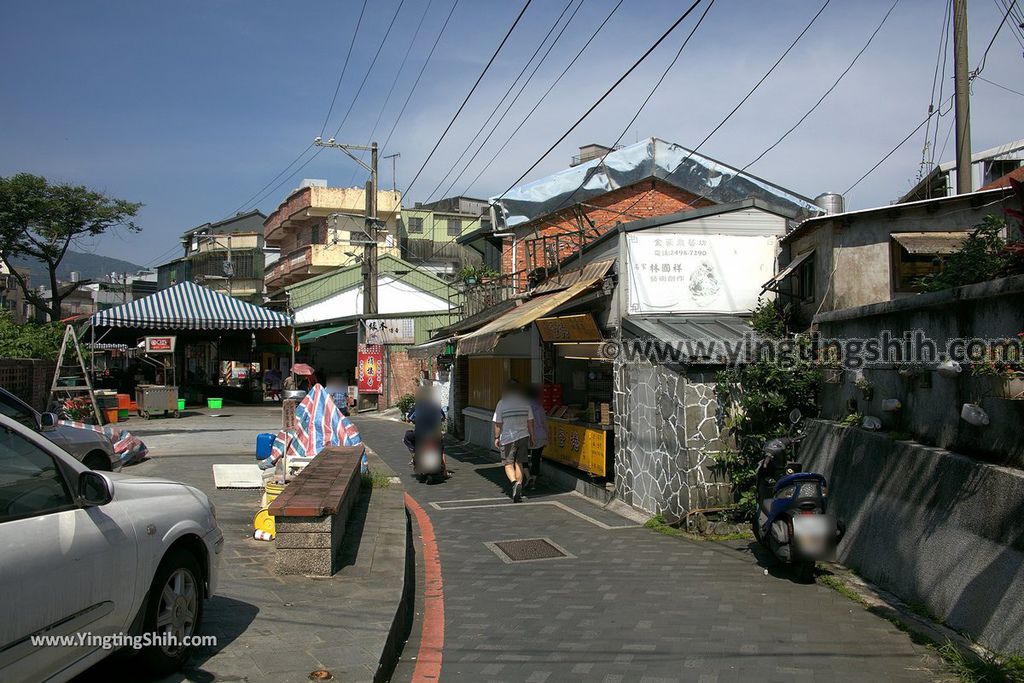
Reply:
x=181, y=404
x=214, y=403
x=122, y=414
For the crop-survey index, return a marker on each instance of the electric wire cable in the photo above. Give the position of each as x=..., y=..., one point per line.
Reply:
x=344, y=68
x=1003, y=87
x=984, y=57
x=537, y=104
x=743, y=101
x=511, y=104
x=418, y=77
x=369, y=70
x=500, y=100
x=468, y=95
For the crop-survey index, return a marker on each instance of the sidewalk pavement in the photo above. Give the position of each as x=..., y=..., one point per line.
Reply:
x=273, y=628
x=627, y=603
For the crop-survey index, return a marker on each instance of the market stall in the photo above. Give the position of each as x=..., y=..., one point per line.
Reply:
x=212, y=331
x=577, y=394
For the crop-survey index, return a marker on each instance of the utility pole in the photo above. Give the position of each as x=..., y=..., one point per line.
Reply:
x=962, y=99
x=369, y=265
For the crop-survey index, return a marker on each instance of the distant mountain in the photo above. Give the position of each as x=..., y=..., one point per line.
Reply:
x=89, y=266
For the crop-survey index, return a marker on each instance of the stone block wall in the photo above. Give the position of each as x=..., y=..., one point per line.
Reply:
x=667, y=436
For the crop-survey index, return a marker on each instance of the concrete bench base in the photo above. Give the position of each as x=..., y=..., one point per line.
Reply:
x=311, y=513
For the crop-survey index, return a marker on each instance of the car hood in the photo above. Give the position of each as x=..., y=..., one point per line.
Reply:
x=78, y=434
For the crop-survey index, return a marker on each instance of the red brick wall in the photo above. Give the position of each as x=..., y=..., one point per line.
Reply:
x=646, y=199
x=403, y=375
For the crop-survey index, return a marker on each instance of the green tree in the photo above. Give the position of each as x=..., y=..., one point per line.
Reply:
x=41, y=220
x=757, y=397
x=28, y=341
x=983, y=256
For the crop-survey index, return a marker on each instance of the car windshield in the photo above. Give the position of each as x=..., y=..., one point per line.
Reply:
x=16, y=409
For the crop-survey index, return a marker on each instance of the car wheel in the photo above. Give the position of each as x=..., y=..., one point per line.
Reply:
x=97, y=460
x=173, y=612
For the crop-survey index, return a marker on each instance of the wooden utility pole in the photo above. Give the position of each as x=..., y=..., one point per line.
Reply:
x=962, y=99
x=370, y=247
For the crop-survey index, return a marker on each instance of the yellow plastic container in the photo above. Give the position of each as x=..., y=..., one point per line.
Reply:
x=270, y=492
x=264, y=521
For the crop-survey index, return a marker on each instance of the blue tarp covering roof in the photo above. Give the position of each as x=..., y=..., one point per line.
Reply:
x=188, y=306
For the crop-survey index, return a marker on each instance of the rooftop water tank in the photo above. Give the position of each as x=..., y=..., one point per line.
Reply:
x=831, y=202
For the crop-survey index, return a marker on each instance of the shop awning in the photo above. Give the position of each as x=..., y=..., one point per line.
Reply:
x=786, y=272
x=307, y=337
x=188, y=306
x=709, y=340
x=930, y=242
x=429, y=349
x=560, y=281
x=486, y=338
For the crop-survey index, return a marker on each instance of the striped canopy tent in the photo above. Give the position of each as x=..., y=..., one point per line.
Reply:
x=188, y=306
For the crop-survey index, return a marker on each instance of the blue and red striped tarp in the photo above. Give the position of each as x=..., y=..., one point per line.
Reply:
x=318, y=424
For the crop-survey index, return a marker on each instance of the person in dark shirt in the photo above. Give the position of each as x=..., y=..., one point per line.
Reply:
x=426, y=416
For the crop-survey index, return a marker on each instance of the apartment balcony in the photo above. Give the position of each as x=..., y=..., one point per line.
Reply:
x=305, y=262
x=311, y=203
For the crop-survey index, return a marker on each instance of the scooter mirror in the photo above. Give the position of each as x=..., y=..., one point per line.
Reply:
x=795, y=415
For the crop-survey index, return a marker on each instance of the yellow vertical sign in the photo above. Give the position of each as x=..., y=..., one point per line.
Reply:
x=577, y=446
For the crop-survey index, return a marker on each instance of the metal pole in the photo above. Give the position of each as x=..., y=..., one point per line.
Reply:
x=962, y=98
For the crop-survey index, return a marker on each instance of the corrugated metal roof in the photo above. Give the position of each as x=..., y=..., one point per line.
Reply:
x=931, y=242
x=589, y=272
x=486, y=338
x=699, y=334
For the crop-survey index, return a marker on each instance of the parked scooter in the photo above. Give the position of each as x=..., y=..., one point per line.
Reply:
x=792, y=513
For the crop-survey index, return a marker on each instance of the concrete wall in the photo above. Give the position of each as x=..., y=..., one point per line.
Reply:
x=666, y=440
x=932, y=403
x=853, y=262
x=934, y=527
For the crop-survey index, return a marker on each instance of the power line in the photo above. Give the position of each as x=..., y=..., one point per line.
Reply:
x=419, y=76
x=344, y=68
x=468, y=95
x=500, y=100
x=543, y=97
x=515, y=99
x=590, y=110
x=1003, y=87
x=640, y=109
x=984, y=57
x=893, y=150
x=743, y=101
x=394, y=82
x=373, y=62
x=827, y=92
x=272, y=180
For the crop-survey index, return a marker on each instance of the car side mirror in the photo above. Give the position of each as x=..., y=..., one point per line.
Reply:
x=47, y=421
x=795, y=415
x=94, y=489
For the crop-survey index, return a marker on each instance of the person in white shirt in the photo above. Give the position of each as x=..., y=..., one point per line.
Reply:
x=513, y=434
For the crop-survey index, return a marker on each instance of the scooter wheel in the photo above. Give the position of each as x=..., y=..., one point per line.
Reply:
x=421, y=478
x=756, y=528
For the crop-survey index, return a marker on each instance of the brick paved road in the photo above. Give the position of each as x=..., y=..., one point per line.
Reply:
x=632, y=605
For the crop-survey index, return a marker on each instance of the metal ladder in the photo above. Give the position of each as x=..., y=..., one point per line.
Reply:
x=74, y=372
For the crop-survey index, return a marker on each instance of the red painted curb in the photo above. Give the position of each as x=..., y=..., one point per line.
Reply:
x=428, y=659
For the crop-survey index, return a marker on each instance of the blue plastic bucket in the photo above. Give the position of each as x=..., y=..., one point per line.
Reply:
x=264, y=444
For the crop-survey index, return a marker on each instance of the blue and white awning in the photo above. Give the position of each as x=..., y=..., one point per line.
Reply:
x=188, y=306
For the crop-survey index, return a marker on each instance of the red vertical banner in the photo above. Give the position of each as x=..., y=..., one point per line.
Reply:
x=370, y=368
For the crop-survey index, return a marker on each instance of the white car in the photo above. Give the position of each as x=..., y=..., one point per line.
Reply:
x=99, y=557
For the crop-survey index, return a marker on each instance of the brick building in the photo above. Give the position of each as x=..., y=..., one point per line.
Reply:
x=553, y=217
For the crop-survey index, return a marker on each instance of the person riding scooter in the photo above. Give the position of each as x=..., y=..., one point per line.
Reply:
x=426, y=416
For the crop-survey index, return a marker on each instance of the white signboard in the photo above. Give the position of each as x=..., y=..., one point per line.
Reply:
x=390, y=331
x=688, y=273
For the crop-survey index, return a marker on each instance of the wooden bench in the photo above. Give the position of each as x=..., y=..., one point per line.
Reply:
x=310, y=514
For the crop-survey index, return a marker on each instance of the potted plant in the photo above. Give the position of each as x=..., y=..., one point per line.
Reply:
x=1003, y=364
x=864, y=384
x=831, y=366
x=472, y=275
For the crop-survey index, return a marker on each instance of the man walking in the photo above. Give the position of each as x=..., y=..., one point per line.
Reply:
x=513, y=434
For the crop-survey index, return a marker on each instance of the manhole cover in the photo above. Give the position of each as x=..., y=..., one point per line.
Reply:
x=528, y=550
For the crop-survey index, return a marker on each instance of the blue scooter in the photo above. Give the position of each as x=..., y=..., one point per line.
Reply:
x=792, y=513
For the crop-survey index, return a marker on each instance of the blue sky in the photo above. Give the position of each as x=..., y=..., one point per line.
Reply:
x=191, y=107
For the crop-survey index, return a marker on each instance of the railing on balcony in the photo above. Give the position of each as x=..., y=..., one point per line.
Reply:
x=483, y=295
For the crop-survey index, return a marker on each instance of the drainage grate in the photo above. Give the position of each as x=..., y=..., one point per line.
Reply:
x=528, y=550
